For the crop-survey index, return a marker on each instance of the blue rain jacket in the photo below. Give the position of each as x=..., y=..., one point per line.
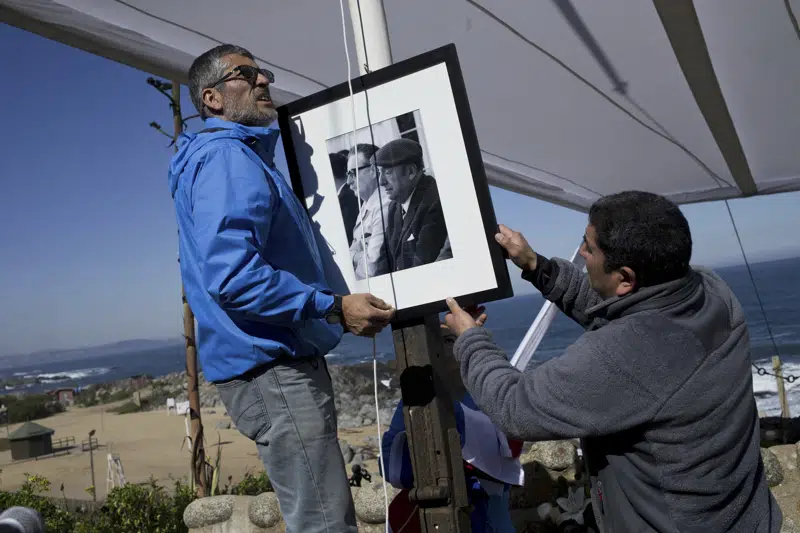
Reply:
x=249, y=260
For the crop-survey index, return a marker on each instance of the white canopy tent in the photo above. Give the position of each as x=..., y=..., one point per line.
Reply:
x=696, y=101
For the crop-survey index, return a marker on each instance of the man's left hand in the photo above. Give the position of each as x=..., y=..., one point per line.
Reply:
x=459, y=320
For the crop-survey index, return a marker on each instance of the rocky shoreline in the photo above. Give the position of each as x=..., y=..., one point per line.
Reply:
x=353, y=387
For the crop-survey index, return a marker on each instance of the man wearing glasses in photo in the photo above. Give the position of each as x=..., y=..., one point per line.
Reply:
x=253, y=276
x=367, y=249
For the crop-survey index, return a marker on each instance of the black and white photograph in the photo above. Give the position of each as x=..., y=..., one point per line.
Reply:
x=388, y=197
x=393, y=180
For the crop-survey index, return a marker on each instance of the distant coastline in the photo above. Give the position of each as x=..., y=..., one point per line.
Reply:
x=509, y=320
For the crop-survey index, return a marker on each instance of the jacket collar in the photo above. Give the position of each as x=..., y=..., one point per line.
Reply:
x=666, y=295
x=266, y=137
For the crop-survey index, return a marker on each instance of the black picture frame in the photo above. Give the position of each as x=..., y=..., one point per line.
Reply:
x=447, y=55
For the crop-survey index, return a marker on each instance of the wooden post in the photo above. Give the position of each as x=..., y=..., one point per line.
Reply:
x=776, y=367
x=440, y=488
x=198, y=465
x=91, y=465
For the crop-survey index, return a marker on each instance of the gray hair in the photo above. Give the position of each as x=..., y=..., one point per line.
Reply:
x=207, y=69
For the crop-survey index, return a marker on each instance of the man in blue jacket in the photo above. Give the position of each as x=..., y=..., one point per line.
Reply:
x=253, y=275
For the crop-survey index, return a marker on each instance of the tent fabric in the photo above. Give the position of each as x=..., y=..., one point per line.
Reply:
x=571, y=100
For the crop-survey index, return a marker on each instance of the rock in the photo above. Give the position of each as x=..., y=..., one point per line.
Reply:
x=787, y=456
x=772, y=468
x=347, y=452
x=367, y=453
x=789, y=526
x=223, y=424
x=555, y=454
x=366, y=411
x=369, y=501
x=264, y=510
x=348, y=422
x=207, y=511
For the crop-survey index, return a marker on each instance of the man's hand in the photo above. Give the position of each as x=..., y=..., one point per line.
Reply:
x=459, y=320
x=365, y=315
x=519, y=251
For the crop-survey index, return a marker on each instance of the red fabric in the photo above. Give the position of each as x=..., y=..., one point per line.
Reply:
x=402, y=511
x=516, y=447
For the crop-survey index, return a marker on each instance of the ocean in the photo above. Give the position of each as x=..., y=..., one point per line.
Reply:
x=778, y=284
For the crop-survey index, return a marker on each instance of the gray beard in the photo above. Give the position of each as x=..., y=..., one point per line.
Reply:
x=247, y=113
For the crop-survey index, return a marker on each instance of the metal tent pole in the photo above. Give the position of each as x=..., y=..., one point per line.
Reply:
x=439, y=484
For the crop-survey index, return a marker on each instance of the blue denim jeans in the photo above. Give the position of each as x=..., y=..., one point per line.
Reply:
x=287, y=409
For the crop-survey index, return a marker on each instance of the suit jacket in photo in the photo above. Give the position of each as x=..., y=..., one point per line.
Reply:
x=417, y=238
x=348, y=203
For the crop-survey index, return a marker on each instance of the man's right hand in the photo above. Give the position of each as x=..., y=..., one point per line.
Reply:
x=365, y=314
x=519, y=251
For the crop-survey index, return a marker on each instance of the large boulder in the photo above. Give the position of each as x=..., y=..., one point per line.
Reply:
x=205, y=512
x=370, y=501
x=264, y=510
x=234, y=514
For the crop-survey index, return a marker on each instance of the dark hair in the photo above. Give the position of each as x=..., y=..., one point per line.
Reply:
x=644, y=232
x=338, y=165
x=365, y=149
x=207, y=69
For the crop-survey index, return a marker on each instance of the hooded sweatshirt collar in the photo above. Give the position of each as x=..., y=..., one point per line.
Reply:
x=261, y=139
x=671, y=295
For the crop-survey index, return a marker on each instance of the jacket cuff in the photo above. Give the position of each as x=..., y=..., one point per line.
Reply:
x=544, y=276
x=321, y=303
x=467, y=338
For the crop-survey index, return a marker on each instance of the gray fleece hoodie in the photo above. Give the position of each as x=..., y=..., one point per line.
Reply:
x=659, y=388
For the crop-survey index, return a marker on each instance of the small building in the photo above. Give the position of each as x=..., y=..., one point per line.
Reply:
x=65, y=397
x=30, y=440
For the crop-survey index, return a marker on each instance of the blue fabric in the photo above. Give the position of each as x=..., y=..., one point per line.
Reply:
x=490, y=513
x=249, y=260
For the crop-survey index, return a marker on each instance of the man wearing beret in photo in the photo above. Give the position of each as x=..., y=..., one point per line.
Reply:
x=416, y=230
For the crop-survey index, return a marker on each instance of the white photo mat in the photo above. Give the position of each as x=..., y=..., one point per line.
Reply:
x=429, y=91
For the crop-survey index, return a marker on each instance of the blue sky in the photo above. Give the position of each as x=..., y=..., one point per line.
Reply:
x=89, y=236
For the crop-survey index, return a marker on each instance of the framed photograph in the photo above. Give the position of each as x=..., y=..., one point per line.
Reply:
x=394, y=183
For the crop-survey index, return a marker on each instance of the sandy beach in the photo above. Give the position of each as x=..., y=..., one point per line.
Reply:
x=148, y=443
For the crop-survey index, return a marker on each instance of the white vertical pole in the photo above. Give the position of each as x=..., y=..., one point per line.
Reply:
x=376, y=34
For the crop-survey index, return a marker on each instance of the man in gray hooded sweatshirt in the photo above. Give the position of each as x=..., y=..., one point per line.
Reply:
x=659, y=387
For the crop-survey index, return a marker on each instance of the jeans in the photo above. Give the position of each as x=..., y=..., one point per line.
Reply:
x=287, y=409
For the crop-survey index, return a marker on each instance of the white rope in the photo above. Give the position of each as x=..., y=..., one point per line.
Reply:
x=366, y=270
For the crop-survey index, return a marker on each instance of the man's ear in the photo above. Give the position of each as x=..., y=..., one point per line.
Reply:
x=627, y=281
x=212, y=99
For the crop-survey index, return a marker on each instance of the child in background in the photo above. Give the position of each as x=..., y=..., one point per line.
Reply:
x=491, y=461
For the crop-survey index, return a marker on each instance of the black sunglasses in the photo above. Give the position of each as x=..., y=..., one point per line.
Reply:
x=248, y=72
x=352, y=172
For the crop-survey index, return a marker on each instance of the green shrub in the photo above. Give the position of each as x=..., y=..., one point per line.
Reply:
x=130, y=509
x=30, y=407
x=139, y=509
x=250, y=485
x=123, y=394
x=56, y=519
